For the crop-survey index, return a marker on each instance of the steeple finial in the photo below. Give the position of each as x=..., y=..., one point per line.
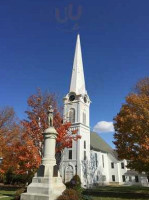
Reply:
x=77, y=79
x=50, y=116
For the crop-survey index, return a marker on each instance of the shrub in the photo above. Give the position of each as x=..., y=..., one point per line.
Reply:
x=85, y=197
x=69, y=194
x=20, y=179
x=9, y=176
x=75, y=183
x=63, y=197
x=1, y=178
x=68, y=185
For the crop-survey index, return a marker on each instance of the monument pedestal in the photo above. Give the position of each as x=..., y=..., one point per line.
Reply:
x=44, y=188
x=47, y=185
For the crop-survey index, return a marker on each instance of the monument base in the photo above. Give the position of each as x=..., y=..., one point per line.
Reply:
x=44, y=188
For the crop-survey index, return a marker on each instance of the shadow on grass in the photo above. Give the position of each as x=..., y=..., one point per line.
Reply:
x=8, y=190
x=9, y=187
x=134, y=189
x=119, y=192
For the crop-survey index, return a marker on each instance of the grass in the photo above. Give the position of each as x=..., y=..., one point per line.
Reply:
x=109, y=198
x=7, y=198
x=8, y=191
x=118, y=193
x=4, y=193
x=100, y=193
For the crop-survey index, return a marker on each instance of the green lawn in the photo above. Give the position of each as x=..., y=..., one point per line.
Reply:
x=100, y=193
x=118, y=193
x=110, y=198
x=7, y=191
x=4, y=193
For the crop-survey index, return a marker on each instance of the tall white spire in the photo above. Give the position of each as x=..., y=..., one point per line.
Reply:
x=77, y=79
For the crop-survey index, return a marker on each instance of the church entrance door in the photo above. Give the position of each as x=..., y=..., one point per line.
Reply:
x=68, y=173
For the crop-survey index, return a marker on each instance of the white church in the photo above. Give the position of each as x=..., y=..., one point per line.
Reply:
x=90, y=157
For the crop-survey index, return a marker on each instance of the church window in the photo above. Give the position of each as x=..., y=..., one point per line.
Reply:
x=103, y=178
x=70, y=154
x=72, y=97
x=113, y=178
x=72, y=115
x=84, y=118
x=68, y=173
x=103, y=164
x=122, y=165
x=96, y=162
x=97, y=178
x=84, y=144
x=123, y=178
x=130, y=178
x=136, y=179
x=112, y=165
x=84, y=155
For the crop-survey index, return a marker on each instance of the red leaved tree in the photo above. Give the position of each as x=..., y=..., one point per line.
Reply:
x=36, y=123
x=21, y=142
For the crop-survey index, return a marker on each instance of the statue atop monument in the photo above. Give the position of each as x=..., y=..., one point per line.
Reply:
x=50, y=116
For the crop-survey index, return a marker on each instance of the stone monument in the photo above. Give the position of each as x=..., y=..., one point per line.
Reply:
x=47, y=184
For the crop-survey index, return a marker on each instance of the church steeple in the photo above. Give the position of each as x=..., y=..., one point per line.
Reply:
x=77, y=79
x=77, y=111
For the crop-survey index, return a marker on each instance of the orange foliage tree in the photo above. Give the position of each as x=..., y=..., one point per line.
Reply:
x=9, y=135
x=21, y=142
x=35, y=125
x=26, y=157
x=132, y=128
x=18, y=152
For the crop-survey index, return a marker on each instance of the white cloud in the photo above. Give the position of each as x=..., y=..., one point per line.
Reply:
x=104, y=127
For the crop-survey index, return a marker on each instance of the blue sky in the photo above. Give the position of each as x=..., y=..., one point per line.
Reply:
x=37, y=41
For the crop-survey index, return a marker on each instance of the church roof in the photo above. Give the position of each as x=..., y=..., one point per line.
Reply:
x=98, y=144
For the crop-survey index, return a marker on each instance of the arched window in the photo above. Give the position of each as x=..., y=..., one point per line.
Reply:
x=72, y=115
x=69, y=173
x=84, y=118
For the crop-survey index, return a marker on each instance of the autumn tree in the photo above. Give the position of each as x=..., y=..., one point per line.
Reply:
x=21, y=141
x=9, y=135
x=132, y=128
x=36, y=123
